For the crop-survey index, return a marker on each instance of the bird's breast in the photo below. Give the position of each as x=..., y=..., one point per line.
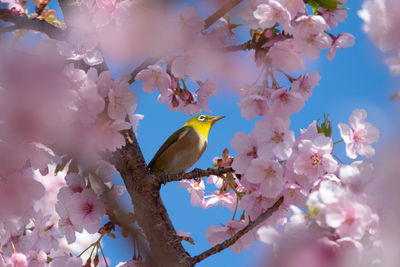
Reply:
x=185, y=152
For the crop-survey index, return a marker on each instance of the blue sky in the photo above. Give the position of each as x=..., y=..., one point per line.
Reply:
x=356, y=78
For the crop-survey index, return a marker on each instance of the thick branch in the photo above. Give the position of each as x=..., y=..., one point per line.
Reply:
x=193, y=174
x=23, y=22
x=229, y=242
x=220, y=13
x=165, y=245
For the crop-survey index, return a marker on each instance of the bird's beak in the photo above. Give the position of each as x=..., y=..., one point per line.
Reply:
x=215, y=119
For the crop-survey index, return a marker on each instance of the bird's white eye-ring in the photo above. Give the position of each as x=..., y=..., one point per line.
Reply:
x=201, y=118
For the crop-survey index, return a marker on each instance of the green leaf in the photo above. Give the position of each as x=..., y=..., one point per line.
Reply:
x=328, y=4
x=326, y=127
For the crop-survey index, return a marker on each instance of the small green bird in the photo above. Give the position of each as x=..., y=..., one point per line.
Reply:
x=184, y=147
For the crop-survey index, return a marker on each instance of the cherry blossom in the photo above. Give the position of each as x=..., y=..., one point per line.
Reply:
x=247, y=147
x=285, y=54
x=276, y=137
x=209, y=88
x=270, y=14
x=268, y=174
x=19, y=259
x=196, y=191
x=305, y=83
x=359, y=135
x=154, y=77
x=81, y=46
x=285, y=103
x=315, y=157
x=217, y=234
x=343, y=40
x=86, y=209
x=121, y=99
x=219, y=198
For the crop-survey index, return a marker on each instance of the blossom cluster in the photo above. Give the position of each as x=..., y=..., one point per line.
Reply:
x=53, y=131
x=271, y=162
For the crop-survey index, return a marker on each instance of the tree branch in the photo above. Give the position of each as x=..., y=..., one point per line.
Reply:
x=23, y=22
x=165, y=245
x=229, y=242
x=193, y=174
x=220, y=13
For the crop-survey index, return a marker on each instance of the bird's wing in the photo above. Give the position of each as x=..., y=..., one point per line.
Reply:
x=172, y=139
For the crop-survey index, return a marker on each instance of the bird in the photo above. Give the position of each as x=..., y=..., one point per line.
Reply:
x=184, y=147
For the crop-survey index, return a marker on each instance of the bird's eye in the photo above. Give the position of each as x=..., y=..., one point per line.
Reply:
x=202, y=118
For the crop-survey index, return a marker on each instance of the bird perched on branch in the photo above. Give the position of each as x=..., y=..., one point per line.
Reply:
x=184, y=147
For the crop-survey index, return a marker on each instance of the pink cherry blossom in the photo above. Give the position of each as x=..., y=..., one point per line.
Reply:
x=270, y=14
x=81, y=45
x=121, y=99
x=191, y=22
x=106, y=135
x=65, y=225
x=255, y=203
x=294, y=7
x=41, y=156
x=52, y=184
x=186, y=66
x=173, y=101
x=224, y=199
x=285, y=103
x=19, y=259
x=195, y=189
x=356, y=175
x=37, y=258
x=343, y=40
x=207, y=89
x=154, y=77
x=277, y=139
x=268, y=174
x=305, y=83
x=86, y=209
x=359, y=135
x=394, y=65
x=104, y=81
x=217, y=234
x=44, y=235
x=333, y=17
x=315, y=157
x=16, y=202
x=295, y=194
x=348, y=217
x=309, y=36
x=246, y=145
x=253, y=106
x=285, y=54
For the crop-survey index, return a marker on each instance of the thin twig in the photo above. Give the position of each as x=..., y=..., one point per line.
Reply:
x=220, y=13
x=193, y=174
x=229, y=242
